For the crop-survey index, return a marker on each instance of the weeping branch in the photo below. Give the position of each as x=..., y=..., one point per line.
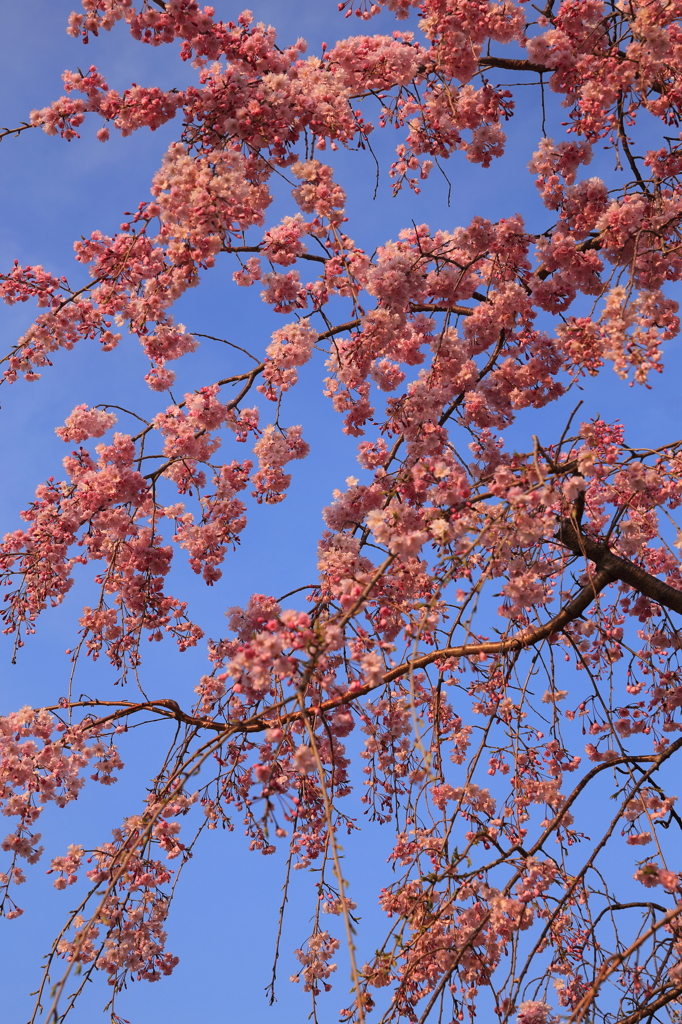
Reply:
x=610, y=568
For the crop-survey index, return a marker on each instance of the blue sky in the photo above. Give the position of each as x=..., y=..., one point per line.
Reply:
x=224, y=920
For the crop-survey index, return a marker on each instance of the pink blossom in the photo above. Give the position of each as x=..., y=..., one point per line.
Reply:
x=83, y=423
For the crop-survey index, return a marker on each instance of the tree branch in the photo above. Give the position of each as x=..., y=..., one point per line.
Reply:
x=610, y=568
x=619, y=568
x=512, y=64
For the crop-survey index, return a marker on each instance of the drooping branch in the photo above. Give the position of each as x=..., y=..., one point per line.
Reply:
x=615, y=961
x=263, y=720
x=610, y=568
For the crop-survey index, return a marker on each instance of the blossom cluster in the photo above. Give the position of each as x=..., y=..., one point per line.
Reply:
x=457, y=575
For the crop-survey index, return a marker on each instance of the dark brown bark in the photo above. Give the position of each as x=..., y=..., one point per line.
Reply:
x=512, y=64
x=622, y=569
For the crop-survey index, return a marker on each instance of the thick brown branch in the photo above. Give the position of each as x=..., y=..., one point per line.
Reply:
x=433, y=307
x=339, y=330
x=425, y=307
x=619, y=568
x=590, y=243
x=512, y=64
x=653, y=1005
x=258, y=248
x=525, y=638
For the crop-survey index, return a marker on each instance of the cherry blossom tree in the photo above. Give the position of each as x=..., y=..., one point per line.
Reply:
x=479, y=613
